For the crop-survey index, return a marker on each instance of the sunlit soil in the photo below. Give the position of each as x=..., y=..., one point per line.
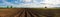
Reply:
x=7, y=12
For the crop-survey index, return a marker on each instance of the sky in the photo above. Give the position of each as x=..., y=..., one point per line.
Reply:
x=30, y=3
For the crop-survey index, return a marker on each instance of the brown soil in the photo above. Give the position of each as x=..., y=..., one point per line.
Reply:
x=22, y=12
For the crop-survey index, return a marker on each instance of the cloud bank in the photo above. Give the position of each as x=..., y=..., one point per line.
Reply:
x=30, y=3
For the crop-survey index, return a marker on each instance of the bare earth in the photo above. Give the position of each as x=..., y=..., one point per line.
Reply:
x=28, y=12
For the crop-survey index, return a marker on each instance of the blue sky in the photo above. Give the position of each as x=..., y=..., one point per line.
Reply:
x=12, y=2
x=17, y=1
x=30, y=3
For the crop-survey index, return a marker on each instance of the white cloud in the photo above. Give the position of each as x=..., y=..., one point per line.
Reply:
x=47, y=3
x=27, y=0
x=51, y=3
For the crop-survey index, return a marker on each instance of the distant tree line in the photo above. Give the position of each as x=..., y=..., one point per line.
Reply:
x=9, y=6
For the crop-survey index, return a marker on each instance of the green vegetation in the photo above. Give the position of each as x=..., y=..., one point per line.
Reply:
x=9, y=7
x=6, y=6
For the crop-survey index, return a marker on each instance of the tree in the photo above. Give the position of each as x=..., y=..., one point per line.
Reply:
x=11, y=7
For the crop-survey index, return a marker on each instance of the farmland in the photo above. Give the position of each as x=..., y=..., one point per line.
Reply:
x=29, y=12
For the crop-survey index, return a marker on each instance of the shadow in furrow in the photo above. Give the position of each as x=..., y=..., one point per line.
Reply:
x=20, y=13
x=29, y=12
